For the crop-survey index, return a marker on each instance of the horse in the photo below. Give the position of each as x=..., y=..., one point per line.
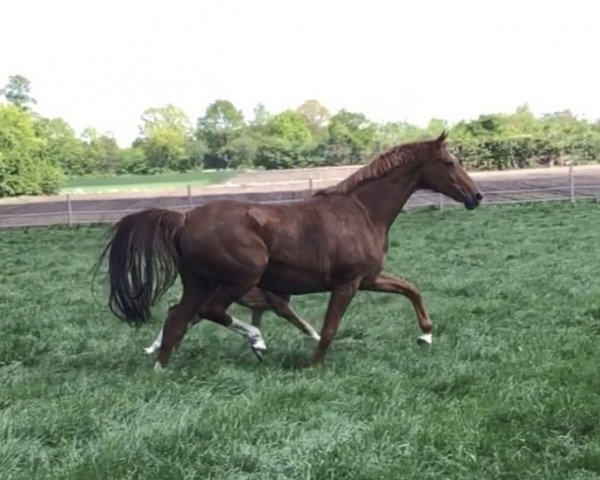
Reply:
x=260, y=301
x=335, y=240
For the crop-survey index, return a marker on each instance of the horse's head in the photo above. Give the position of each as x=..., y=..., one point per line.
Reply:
x=444, y=173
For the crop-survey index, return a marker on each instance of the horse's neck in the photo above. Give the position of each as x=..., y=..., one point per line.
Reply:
x=384, y=197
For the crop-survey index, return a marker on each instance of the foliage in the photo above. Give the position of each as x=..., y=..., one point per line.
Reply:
x=275, y=153
x=317, y=115
x=307, y=136
x=166, y=135
x=16, y=92
x=132, y=160
x=101, y=152
x=350, y=138
x=62, y=147
x=509, y=390
x=25, y=168
x=221, y=124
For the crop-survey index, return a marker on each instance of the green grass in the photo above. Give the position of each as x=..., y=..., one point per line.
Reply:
x=101, y=184
x=509, y=390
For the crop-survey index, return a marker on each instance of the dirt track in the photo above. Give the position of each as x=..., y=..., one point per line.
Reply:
x=286, y=185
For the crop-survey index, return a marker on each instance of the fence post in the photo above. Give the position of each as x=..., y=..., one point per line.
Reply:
x=70, y=210
x=441, y=202
x=571, y=183
x=189, y=195
x=310, y=183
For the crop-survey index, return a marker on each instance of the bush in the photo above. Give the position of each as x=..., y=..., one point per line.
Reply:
x=51, y=179
x=277, y=153
x=24, y=168
x=526, y=151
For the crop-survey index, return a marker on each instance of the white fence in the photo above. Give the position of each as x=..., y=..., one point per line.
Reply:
x=72, y=210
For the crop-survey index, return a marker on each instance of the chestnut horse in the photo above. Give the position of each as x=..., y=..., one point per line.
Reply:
x=334, y=241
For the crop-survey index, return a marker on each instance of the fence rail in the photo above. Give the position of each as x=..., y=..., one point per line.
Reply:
x=72, y=211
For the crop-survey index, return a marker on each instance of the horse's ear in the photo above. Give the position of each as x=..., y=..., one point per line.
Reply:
x=441, y=139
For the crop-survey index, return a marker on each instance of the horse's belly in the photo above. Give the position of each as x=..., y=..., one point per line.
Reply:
x=293, y=281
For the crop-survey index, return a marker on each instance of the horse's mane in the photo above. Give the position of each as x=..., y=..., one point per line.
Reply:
x=382, y=164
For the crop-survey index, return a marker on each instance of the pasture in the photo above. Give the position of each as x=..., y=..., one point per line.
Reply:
x=108, y=184
x=508, y=391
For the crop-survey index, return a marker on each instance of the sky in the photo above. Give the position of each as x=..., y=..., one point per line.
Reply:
x=101, y=64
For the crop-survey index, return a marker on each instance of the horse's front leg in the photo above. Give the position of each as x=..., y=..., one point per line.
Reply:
x=388, y=284
x=341, y=296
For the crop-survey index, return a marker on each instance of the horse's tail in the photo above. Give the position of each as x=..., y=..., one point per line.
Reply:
x=142, y=261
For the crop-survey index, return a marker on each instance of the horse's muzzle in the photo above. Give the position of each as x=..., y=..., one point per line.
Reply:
x=473, y=201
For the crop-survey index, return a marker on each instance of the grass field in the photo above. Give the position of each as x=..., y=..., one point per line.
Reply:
x=144, y=182
x=510, y=389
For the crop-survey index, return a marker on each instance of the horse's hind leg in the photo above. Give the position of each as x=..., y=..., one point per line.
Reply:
x=158, y=340
x=215, y=309
x=282, y=308
x=257, y=314
x=180, y=316
x=156, y=343
x=257, y=302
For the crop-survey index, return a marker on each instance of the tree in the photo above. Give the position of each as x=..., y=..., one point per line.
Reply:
x=62, y=147
x=290, y=126
x=394, y=133
x=241, y=151
x=132, y=160
x=24, y=167
x=221, y=124
x=276, y=152
x=16, y=92
x=435, y=127
x=317, y=115
x=261, y=116
x=287, y=142
x=166, y=132
x=101, y=152
x=351, y=137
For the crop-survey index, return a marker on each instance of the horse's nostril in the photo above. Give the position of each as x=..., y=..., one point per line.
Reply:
x=478, y=196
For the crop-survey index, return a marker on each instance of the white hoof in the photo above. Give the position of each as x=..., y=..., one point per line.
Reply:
x=158, y=367
x=425, y=339
x=317, y=337
x=150, y=350
x=258, y=344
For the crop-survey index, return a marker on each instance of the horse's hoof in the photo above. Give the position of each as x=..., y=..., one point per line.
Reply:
x=149, y=350
x=425, y=340
x=259, y=352
x=158, y=368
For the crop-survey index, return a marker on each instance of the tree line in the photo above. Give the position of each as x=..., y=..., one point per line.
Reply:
x=38, y=153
